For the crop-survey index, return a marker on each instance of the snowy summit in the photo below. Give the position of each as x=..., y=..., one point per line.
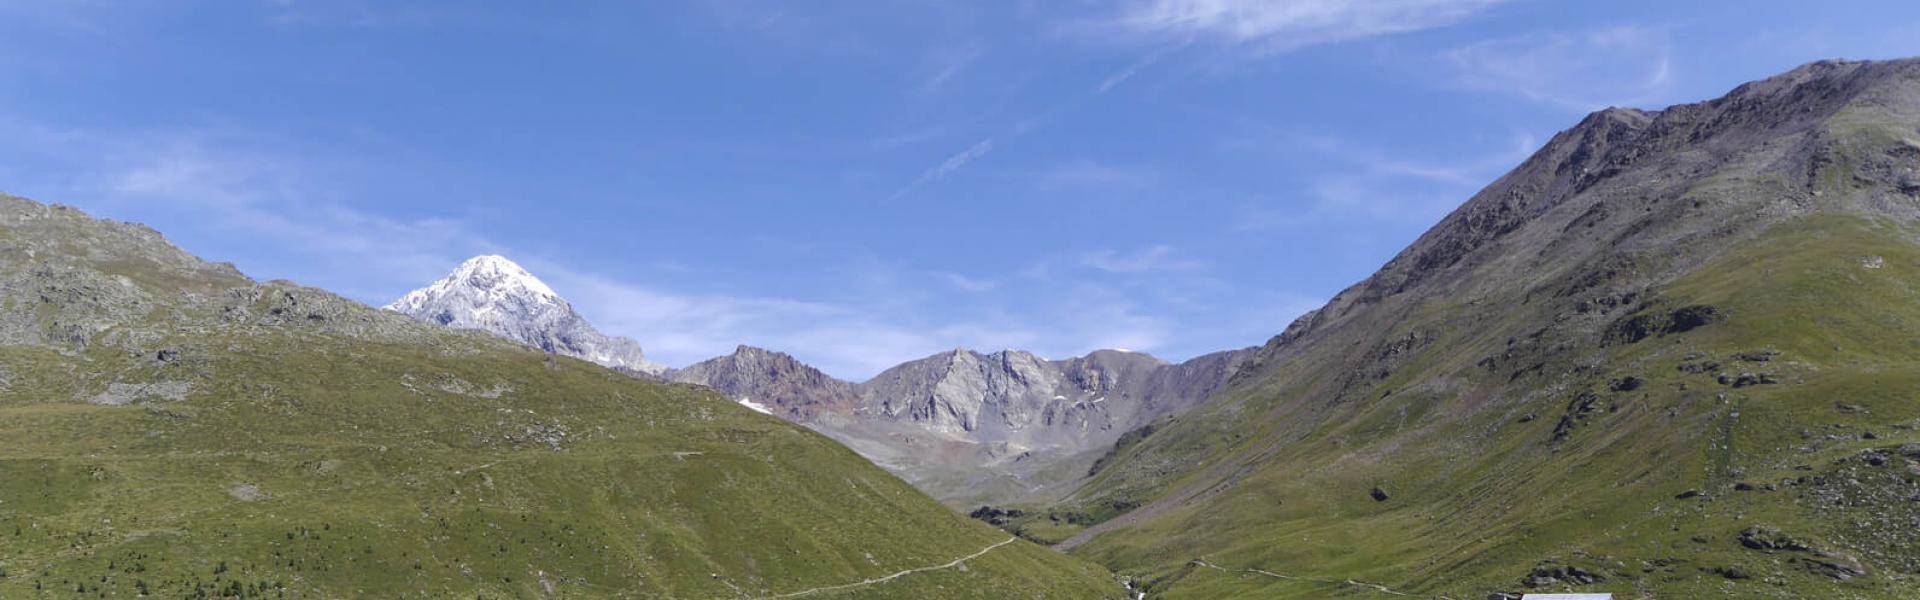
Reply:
x=493, y=294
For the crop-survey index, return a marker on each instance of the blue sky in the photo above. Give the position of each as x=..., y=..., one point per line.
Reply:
x=856, y=183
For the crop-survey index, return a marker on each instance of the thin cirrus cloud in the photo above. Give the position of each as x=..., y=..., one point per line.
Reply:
x=969, y=284
x=947, y=63
x=1265, y=25
x=272, y=211
x=1362, y=183
x=1574, y=70
x=1159, y=257
x=1086, y=173
x=948, y=166
x=854, y=339
x=1283, y=25
x=231, y=184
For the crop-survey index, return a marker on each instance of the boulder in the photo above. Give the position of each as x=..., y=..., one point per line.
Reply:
x=1768, y=538
x=1835, y=565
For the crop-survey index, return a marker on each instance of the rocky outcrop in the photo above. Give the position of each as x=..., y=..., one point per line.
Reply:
x=788, y=387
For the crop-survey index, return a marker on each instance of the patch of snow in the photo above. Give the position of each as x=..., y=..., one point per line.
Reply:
x=756, y=406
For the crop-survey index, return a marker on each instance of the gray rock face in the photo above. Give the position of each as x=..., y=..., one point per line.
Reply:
x=774, y=382
x=1029, y=403
x=972, y=427
x=495, y=295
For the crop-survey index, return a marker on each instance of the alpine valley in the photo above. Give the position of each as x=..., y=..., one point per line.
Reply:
x=965, y=427
x=1672, y=354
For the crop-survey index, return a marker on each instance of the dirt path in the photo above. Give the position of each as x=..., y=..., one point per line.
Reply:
x=866, y=582
x=1215, y=478
x=1179, y=497
x=1343, y=583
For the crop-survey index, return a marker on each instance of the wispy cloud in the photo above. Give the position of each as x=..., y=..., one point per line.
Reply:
x=1282, y=25
x=947, y=167
x=249, y=191
x=1085, y=173
x=816, y=28
x=680, y=327
x=1117, y=321
x=856, y=339
x=970, y=284
x=229, y=182
x=89, y=18
x=1159, y=257
x=1119, y=77
x=898, y=139
x=1468, y=170
x=1264, y=25
x=948, y=62
x=1373, y=184
x=1579, y=70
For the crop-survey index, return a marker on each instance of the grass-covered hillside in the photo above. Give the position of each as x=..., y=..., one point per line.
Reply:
x=170, y=428
x=1675, y=354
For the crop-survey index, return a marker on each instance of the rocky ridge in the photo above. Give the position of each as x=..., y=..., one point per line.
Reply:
x=971, y=427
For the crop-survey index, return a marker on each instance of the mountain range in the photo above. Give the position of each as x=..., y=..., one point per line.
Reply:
x=1672, y=354
x=176, y=429
x=966, y=427
x=972, y=428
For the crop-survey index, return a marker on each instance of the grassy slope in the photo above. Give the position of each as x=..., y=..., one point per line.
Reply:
x=1473, y=498
x=310, y=464
x=1459, y=427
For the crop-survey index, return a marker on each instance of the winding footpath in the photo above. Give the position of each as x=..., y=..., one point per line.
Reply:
x=1346, y=583
x=956, y=562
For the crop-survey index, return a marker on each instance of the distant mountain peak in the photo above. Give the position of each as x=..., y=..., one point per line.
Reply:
x=490, y=276
x=500, y=273
x=494, y=294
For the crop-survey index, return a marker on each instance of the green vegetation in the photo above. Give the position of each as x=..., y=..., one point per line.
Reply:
x=1478, y=488
x=275, y=441
x=1713, y=393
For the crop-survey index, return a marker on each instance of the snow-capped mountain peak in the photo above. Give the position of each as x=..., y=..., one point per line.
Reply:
x=491, y=277
x=493, y=294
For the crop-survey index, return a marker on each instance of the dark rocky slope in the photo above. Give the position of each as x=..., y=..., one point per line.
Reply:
x=1663, y=329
